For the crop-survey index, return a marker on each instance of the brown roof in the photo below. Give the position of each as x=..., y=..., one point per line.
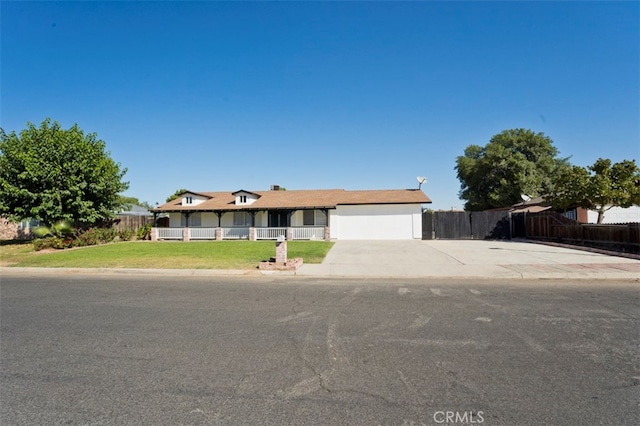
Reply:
x=300, y=199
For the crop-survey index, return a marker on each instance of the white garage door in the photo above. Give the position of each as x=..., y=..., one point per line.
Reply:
x=376, y=222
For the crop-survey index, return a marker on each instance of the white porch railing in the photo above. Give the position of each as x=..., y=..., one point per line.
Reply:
x=308, y=233
x=169, y=233
x=235, y=233
x=243, y=233
x=202, y=233
x=270, y=233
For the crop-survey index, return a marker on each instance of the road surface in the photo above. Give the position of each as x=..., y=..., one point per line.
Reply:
x=294, y=351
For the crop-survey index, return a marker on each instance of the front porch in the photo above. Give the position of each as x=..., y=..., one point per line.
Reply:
x=250, y=233
x=251, y=225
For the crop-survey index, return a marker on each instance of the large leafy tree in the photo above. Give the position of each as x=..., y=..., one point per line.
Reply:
x=598, y=187
x=513, y=163
x=127, y=202
x=176, y=194
x=56, y=175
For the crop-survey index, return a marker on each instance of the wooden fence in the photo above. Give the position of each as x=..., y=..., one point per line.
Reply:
x=132, y=222
x=551, y=226
x=465, y=225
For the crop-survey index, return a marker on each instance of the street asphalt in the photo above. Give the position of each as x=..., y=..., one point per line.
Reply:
x=255, y=350
x=428, y=259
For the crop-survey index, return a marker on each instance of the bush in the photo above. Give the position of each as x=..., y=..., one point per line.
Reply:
x=144, y=232
x=90, y=237
x=126, y=234
x=53, y=243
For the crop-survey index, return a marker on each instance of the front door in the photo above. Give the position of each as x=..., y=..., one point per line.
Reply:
x=277, y=219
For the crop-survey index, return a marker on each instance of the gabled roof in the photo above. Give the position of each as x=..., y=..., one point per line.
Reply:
x=299, y=199
x=246, y=192
x=134, y=210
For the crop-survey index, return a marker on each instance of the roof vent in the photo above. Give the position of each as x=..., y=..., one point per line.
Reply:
x=275, y=187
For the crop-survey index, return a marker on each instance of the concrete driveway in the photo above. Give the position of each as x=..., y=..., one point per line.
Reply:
x=468, y=258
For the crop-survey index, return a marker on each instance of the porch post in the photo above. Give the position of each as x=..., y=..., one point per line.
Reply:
x=219, y=228
x=289, y=228
x=252, y=228
x=185, y=230
x=186, y=218
x=327, y=228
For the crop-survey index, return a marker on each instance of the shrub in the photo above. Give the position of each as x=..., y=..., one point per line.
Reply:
x=106, y=235
x=144, y=232
x=53, y=243
x=94, y=236
x=126, y=234
x=42, y=243
x=89, y=237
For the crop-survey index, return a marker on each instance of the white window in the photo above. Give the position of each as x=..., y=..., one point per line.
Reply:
x=241, y=219
x=194, y=220
x=314, y=217
x=188, y=200
x=308, y=218
x=243, y=199
x=321, y=218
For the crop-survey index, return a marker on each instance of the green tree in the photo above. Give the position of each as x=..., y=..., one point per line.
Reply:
x=127, y=202
x=598, y=187
x=176, y=194
x=513, y=163
x=56, y=175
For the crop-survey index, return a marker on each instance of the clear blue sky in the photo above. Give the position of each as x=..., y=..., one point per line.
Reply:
x=216, y=96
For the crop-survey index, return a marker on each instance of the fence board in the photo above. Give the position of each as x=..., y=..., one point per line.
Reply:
x=132, y=222
x=550, y=226
x=465, y=225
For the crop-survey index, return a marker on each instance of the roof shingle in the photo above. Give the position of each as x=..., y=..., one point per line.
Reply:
x=300, y=199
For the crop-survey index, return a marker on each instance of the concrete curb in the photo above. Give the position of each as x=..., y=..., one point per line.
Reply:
x=506, y=275
x=125, y=271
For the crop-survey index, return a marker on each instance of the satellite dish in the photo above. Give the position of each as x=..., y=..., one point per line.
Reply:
x=525, y=197
x=421, y=180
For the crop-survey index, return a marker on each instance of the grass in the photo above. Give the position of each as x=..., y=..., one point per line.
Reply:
x=162, y=255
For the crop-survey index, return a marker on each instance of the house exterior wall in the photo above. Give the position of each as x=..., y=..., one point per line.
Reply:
x=346, y=222
x=196, y=199
x=210, y=220
x=297, y=218
x=617, y=215
x=376, y=222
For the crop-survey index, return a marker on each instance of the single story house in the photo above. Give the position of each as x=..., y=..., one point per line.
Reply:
x=294, y=214
x=613, y=215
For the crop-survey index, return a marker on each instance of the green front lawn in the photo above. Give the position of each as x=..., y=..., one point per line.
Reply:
x=163, y=255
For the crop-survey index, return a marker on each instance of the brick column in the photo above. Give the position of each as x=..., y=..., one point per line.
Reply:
x=185, y=234
x=327, y=233
x=281, y=252
x=252, y=234
x=219, y=234
x=289, y=233
x=154, y=234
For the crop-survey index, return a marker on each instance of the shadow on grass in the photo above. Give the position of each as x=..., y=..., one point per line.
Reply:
x=14, y=242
